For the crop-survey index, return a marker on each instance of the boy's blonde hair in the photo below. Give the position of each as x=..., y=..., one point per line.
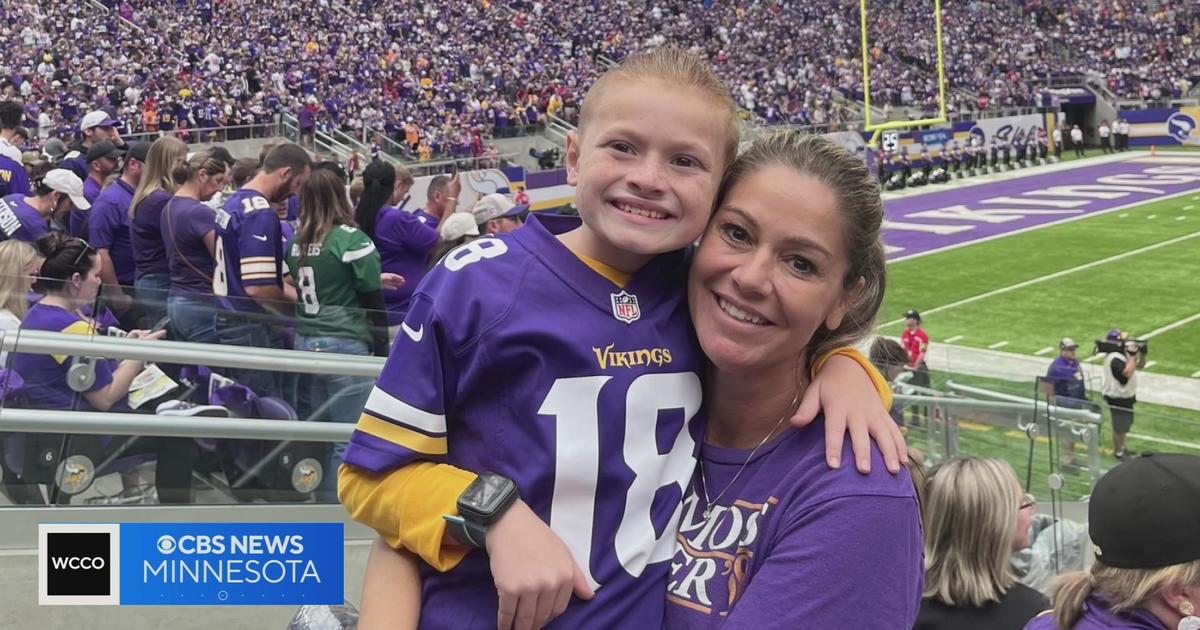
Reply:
x=672, y=65
x=970, y=514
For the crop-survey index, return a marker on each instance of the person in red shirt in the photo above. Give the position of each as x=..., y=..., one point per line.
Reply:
x=916, y=344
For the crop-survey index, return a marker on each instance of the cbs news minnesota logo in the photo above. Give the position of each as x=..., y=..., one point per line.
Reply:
x=191, y=564
x=79, y=564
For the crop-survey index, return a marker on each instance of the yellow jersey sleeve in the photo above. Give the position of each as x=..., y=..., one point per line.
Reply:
x=881, y=384
x=405, y=506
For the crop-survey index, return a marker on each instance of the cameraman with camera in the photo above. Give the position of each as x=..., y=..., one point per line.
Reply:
x=1120, y=388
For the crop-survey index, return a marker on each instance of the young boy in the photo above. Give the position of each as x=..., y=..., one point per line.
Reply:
x=565, y=367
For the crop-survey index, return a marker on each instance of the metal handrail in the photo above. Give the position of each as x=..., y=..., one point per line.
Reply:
x=146, y=425
x=153, y=135
x=189, y=352
x=1028, y=404
x=972, y=404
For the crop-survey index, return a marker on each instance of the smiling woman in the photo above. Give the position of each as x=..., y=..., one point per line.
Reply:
x=790, y=266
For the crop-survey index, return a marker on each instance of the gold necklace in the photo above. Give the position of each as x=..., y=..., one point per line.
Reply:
x=709, y=503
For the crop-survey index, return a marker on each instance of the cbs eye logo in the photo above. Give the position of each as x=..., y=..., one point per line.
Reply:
x=78, y=564
x=166, y=544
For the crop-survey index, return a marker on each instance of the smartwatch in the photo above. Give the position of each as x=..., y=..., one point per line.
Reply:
x=480, y=505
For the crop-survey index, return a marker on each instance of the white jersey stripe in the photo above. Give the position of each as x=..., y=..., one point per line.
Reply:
x=384, y=405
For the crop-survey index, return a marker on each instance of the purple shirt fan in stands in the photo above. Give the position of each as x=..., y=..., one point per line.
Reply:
x=13, y=177
x=21, y=221
x=512, y=360
x=108, y=228
x=184, y=224
x=844, y=546
x=249, y=249
x=404, y=243
x=77, y=223
x=149, y=254
x=46, y=375
x=1067, y=377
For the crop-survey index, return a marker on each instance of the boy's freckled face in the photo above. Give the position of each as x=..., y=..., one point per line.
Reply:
x=647, y=164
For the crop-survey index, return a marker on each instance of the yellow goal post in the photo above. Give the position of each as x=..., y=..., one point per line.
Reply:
x=866, y=74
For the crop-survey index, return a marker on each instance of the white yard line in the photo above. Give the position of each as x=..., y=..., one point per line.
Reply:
x=1196, y=374
x=1150, y=364
x=954, y=338
x=1172, y=326
x=998, y=345
x=1046, y=350
x=1057, y=274
x=1159, y=440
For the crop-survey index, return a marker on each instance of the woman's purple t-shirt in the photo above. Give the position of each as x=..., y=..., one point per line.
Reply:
x=184, y=223
x=1097, y=616
x=405, y=243
x=145, y=232
x=794, y=544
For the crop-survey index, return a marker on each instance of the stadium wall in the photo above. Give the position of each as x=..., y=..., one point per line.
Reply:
x=1163, y=126
x=549, y=189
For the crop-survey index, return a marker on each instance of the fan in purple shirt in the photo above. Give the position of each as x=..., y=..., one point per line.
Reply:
x=28, y=218
x=151, y=273
x=249, y=261
x=404, y=239
x=773, y=285
x=13, y=178
x=189, y=236
x=108, y=232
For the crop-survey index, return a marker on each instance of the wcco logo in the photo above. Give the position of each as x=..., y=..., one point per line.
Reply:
x=78, y=564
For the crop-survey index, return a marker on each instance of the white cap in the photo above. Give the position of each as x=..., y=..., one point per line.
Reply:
x=67, y=182
x=98, y=118
x=458, y=225
x=494, y=206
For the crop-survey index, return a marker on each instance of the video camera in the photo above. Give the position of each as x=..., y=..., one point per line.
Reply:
x=547, y=159
x=1105, y=346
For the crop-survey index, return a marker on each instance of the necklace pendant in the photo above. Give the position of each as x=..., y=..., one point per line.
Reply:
x=707, y=512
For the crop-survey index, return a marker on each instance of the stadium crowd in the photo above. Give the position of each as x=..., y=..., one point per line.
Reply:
x=442, y=80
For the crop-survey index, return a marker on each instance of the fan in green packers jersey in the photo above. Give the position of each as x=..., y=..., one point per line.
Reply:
x=337, y=273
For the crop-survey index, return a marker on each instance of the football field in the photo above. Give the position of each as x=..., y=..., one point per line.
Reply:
x=1036, y=273
x=1134, y=266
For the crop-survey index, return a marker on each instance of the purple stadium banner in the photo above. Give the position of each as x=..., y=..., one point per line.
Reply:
x=945, y=219
x=1163, y=126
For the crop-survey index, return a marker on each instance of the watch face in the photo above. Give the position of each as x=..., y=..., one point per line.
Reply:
x=487, y=495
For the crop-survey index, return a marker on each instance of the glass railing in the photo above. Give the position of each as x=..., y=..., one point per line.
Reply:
x=229, y=400
x=1058, y=448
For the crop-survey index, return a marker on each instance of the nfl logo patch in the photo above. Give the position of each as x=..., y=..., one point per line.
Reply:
x=625, y=307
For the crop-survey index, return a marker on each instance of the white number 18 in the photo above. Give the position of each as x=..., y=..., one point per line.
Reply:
x=575, y=404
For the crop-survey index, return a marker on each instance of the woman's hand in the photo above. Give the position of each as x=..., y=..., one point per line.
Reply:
x=534, y=572
x=146, y=334
x=851, y=404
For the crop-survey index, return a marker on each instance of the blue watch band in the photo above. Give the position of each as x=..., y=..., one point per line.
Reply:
x=468, y=533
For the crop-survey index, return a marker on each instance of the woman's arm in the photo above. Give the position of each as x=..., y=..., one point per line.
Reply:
x=103, y=399
x=852, y=562
x=391, y=596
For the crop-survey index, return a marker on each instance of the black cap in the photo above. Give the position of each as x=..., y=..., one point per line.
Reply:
x=103, y=149
x=1145, y=513
x=139, y=151
x=912, y=314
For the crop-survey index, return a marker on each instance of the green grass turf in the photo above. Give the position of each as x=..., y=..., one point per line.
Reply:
x=1139, y=294
x=980, y=438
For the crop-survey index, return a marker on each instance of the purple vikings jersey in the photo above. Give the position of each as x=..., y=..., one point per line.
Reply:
x=21, y=221
x=846, y=547
x=516, y=358
x=249, y=249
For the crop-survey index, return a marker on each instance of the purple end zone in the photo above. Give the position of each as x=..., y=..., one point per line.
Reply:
x=939, y=220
